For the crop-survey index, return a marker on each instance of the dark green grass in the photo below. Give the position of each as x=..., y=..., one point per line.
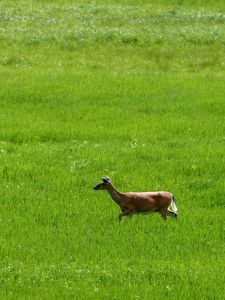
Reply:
x=149, y=113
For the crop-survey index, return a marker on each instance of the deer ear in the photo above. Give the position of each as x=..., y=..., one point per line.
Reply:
x=106, y=179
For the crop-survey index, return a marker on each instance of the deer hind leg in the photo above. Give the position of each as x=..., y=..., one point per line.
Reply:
x=171, y=213
x=163, y=213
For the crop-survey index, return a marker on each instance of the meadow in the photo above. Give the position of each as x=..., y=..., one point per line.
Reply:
x=129, y=89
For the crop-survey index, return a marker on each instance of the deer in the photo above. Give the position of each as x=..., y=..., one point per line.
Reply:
x=140, y=202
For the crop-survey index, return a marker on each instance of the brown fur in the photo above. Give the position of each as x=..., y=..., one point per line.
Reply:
x=138, y=202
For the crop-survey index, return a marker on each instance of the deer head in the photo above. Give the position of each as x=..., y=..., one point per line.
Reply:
x=104, y=184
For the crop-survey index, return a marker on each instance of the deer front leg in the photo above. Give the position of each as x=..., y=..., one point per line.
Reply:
x=124, y=213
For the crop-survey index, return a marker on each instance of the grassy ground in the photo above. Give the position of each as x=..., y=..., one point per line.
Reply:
x=134, y=91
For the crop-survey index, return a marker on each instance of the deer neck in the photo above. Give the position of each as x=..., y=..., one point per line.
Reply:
x=115, y=195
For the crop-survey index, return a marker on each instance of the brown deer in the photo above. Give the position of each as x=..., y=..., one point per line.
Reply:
x=140, y=202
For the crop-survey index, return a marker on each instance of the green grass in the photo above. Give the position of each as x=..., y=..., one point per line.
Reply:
x=132, y=90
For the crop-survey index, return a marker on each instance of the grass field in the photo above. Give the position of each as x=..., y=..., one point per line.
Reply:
x=129, y=89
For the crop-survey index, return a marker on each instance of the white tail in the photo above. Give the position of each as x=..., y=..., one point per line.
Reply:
x=172, y=209
x=173, y=205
